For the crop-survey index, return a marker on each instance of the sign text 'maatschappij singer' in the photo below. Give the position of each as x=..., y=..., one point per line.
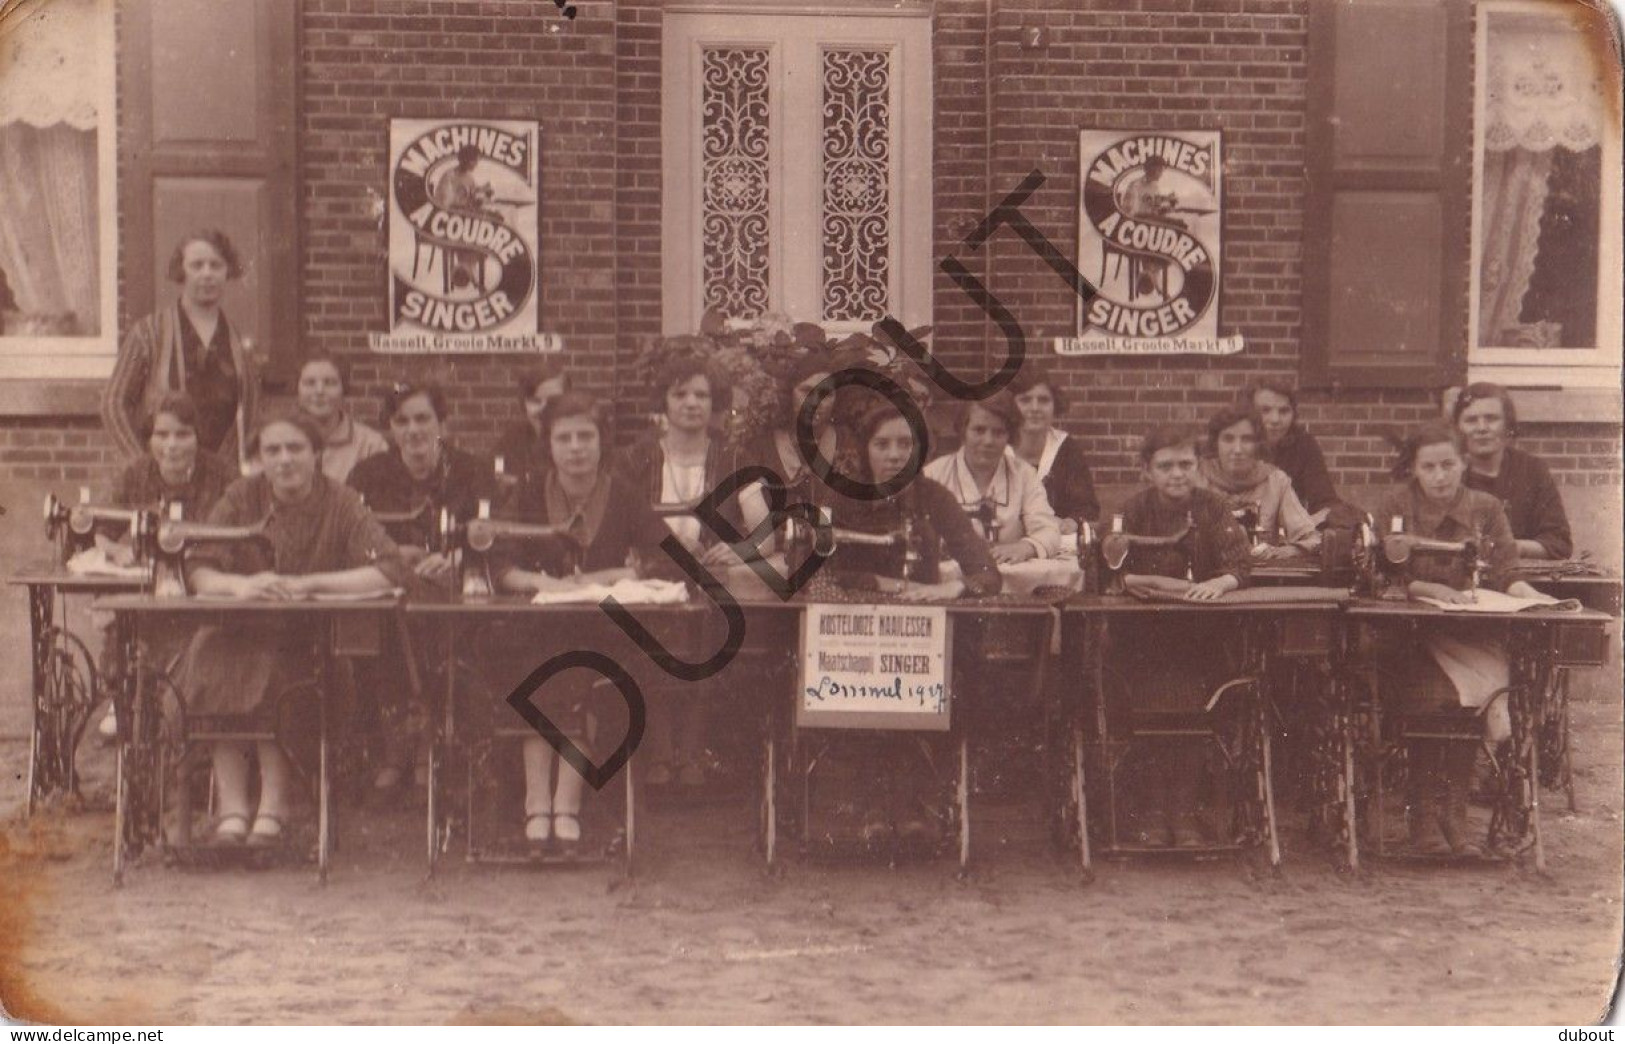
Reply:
x=873, y=666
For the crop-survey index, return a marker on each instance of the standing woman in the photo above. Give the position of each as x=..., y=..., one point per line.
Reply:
x=615, y=535
x=1002, y=493
x=346, y=442
x=323, y=540
x=1245, y=482
x=1487, y=421
x=1288, y=446
x=1450, y=669
x=1058, y=459
x=521, y=448
x=188, y=346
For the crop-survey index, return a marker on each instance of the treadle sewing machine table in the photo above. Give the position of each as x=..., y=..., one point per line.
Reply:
x=1539, y=642
x=464, y=695
x=1266, y=631
x=66, y=681
x=1004, y=630
x=345, y=628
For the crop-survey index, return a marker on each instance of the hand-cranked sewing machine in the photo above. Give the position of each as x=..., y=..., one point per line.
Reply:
x=73, y=529
x=1393, y=564
x=173, y=534
x=470, y=543
x=825, y=539
x=1115, y=545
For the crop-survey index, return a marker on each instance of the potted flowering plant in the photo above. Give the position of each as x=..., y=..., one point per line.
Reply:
x=755, y=354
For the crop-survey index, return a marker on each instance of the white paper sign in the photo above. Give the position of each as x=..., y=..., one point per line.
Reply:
x=874, y=667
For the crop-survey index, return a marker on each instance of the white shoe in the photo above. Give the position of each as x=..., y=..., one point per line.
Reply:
x=108, y=729
x=567, y=826
x=539, y=826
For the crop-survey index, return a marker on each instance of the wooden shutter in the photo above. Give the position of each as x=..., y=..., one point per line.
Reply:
x=1389, y=175
x=208, y=92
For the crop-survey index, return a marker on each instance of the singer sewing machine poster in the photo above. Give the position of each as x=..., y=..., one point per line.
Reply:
x=464, y=231
x=874, y=667
x=1149, y=241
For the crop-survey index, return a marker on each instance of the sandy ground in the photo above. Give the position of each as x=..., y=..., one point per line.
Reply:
x=702, y=934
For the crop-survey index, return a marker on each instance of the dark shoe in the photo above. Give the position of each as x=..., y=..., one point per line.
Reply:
x=1453, y=815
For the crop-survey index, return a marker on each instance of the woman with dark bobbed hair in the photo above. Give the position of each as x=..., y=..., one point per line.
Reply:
x=521, y=448
x=321, y=539
x=615, y=535
x=1487, y=421
x=1288, y=446
x=1059, y=459
x=188, y=346
x=1001, y=491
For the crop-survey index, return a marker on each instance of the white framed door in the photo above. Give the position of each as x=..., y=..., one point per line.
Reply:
x=796, y=168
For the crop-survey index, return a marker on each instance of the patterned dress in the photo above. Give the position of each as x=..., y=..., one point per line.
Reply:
x=243, y=666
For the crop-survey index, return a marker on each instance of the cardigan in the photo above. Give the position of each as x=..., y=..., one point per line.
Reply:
x=1064, y=470
x=1534, y=508
x=151, y=364
x=1220, y=545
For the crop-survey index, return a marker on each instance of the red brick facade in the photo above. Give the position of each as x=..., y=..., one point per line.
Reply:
x=1003, y=107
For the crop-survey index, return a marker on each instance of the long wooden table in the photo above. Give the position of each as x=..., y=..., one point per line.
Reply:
x=1538, y=642
x=153, y=738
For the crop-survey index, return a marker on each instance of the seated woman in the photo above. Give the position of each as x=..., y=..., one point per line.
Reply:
x=778, y=448
x=423, y=469
x=1454, y=670
x=680, y=465
x=172, y=471
x=345, y=440
x=1487, y=420
x=1059, y=460
x=615, y=536
x=323, y=540
x=1288, y=446
x=421, y=474
x=889, y=778
x=1248, y=484
x=1218, y=562
x=1003, y=494
x=520, y=448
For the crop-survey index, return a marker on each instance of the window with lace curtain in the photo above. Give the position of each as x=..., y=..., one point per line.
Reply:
x=1545, y=294
x=57, y=214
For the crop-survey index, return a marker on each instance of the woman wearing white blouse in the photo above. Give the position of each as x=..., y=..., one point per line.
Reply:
x=1000, y=492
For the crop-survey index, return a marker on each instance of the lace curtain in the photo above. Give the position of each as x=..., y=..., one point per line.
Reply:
x=49, y=222
x=1543, y=92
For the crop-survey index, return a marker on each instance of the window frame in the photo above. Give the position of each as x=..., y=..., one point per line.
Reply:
x=1594, y=367
x=39, y=357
